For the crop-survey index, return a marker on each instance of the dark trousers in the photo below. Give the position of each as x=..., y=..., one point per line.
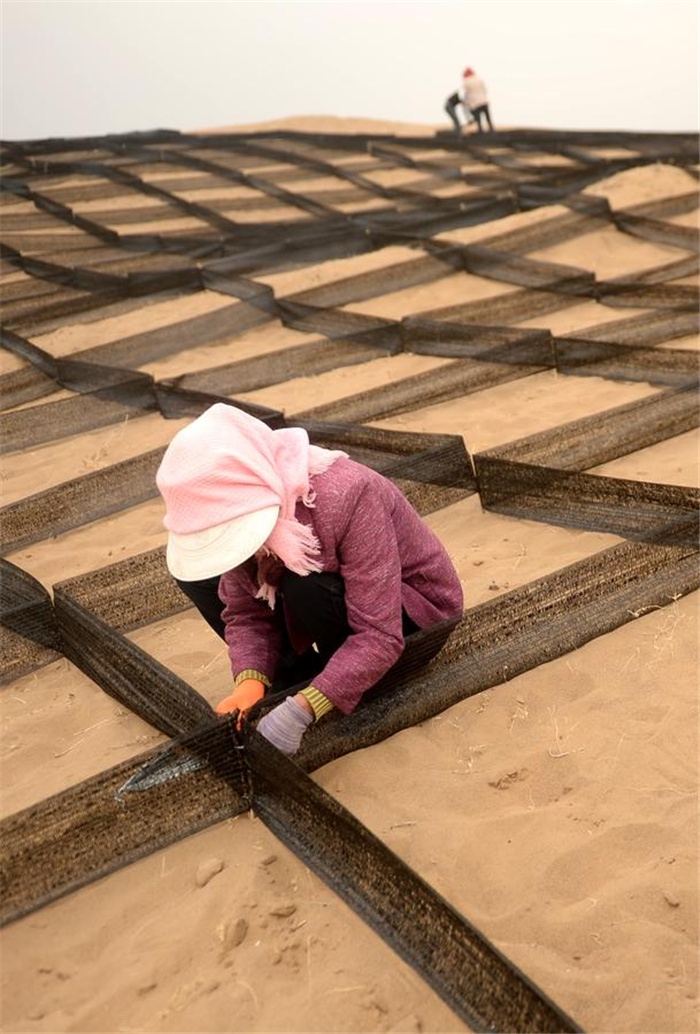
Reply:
x=316, y=604
x=451, y=105
x=482, y=112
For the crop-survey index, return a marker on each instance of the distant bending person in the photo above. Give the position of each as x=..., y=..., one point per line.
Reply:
x=452, y=105
x=475, y=99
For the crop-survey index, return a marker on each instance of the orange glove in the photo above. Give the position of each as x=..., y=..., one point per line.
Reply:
x=246, y=693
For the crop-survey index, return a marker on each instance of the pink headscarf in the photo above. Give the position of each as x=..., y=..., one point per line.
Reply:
x=226, y=464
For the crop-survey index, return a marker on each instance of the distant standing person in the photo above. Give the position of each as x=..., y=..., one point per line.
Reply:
x=475, y=99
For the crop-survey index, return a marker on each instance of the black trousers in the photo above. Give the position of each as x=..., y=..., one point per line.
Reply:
x=317, y=604
x=482, y=112
x=451, y=104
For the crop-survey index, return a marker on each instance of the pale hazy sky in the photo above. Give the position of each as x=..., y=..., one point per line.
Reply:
x=102, y=66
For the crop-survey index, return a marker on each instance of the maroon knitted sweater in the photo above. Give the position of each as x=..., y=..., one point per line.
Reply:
x=388, y=559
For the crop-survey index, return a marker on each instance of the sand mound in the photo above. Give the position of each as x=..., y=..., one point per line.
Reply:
x=328, y=124
x=647, y=183
x=556, y=809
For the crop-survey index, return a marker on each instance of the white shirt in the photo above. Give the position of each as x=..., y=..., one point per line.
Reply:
x=473, y=92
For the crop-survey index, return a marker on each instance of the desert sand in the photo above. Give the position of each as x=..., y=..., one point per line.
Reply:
x=557, y=811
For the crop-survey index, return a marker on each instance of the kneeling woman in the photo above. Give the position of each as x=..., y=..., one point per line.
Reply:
x=311, y=566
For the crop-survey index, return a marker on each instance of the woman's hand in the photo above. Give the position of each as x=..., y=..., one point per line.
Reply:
x=246, y=693
x=285, y=725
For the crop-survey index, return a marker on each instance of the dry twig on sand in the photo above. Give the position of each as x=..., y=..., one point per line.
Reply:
x=559, y=737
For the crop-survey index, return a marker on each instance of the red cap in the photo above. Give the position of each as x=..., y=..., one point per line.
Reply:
x=467, y=72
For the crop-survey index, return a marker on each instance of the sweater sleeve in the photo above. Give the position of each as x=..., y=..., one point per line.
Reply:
x=253, y=631
x=371, y=570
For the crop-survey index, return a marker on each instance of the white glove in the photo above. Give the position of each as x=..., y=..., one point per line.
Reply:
x=285, y=725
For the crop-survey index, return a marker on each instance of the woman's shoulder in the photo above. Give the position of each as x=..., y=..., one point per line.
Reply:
x=346, y=477
x=338, y=491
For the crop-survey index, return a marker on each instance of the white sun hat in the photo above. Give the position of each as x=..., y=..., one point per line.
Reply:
x=204, y=554
x=231, y=484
